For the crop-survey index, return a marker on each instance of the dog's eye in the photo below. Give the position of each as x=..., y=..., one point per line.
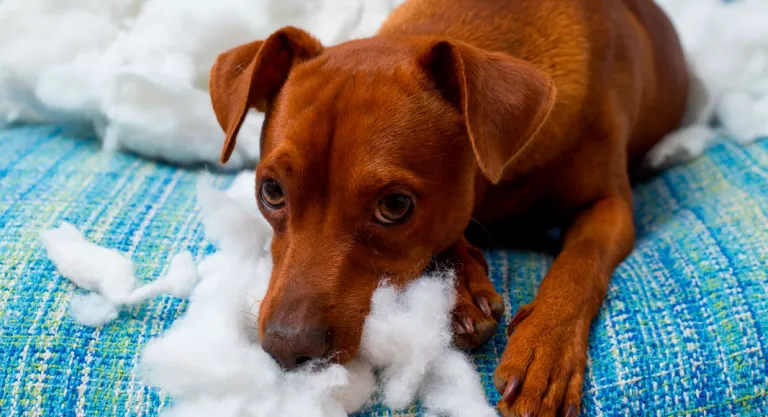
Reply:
x=272, y=194
x=393, y=208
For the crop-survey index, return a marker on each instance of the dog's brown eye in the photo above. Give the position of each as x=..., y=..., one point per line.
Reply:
x=393, y=208
x=272, y=194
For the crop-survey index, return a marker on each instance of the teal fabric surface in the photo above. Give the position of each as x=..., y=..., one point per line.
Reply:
x=682, y=332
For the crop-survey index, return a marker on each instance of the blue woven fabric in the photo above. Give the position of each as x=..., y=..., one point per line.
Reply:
x=683, y=329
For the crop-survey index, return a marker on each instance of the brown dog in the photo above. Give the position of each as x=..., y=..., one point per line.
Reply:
x=377, y=153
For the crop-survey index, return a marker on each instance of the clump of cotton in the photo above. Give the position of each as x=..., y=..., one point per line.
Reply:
x=680, y=146
x=211, y=360
x=394, y=340
x=109, y=275
x=726, y=45
x=136, y=71
x=232, y=226
x=179, y=281
x=243, y=190
x=361, y=386
x=209, y=351
x=88, y=265
x=447, y=391
x=92, y=309
x=408, y=337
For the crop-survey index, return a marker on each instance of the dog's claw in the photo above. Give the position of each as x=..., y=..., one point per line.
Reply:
x=571, y=411
x=482, y=302
x=468, y=325
x=510, y=392
x=460, y=328
x=521, y=315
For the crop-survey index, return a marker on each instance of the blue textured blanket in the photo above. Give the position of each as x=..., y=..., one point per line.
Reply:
x=682, y=332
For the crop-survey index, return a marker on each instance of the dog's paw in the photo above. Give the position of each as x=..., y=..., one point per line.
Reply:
x=478, y=307
x=542, y=370
x=471, y=326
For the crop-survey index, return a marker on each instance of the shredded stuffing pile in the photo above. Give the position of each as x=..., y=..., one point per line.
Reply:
x=726, y=44
x=137, y=70
x=211, y=361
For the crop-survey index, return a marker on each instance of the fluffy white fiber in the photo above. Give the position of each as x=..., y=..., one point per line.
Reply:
x=109, y=275
x=137, y=70
x=211, y=361
x=726, y=44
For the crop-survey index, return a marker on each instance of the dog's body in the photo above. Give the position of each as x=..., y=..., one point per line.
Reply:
x=377, y=153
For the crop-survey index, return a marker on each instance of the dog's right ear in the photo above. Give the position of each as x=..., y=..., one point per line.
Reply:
x=251, y=75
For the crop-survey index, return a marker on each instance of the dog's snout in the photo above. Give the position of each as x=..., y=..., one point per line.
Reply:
x=293, y=346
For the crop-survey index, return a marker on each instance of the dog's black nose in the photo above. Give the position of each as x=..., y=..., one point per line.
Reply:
x=293, y=346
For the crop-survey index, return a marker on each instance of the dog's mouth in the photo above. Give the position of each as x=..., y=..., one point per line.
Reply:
x=307, y=364
x=319, y=326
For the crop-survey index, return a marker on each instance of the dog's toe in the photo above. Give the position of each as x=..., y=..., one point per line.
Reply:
x=472, y=327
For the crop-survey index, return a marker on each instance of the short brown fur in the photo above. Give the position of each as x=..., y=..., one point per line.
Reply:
x=495, y=110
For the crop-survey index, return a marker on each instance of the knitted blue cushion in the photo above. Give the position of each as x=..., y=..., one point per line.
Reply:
x=682, y=332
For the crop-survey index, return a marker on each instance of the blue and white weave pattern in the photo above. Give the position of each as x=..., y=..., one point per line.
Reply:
x=682, y=332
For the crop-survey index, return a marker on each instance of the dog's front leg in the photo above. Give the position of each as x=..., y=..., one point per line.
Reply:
x=542, y=370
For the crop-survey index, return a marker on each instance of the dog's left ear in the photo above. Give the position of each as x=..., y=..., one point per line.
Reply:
x=504, y=101
x=251, y=75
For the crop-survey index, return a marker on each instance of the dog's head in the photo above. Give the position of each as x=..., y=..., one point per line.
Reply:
x=372, y=152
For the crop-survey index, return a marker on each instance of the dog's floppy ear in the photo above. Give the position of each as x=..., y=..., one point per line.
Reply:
x=251, y=75
x=504, y=101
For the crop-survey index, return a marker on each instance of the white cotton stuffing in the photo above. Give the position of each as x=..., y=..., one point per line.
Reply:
x=243, y=190
x=92, y=309
x=210, y=360
x=726, y=45
x=209, y=351
x=137, y=70
x=362, y=384
x=87, y=265
x=406, y=351
x=449, y=393
x=681, y=146
x=109, y=275
x=229, y=224
x=179, y=281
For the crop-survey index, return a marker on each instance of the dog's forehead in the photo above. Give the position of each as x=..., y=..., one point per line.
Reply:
x=360, y=120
